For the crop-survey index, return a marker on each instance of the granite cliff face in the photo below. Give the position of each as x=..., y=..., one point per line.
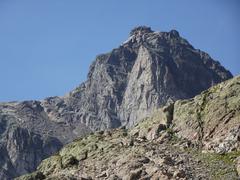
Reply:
x=124, y=86
x=147, y=71
x=198, y=138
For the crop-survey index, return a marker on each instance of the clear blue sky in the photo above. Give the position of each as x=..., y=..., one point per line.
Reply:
x=46, y=46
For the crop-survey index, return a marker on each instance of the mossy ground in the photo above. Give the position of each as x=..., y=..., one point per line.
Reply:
x=219, y=167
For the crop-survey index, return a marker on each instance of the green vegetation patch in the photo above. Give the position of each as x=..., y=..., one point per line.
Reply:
x=219, y=166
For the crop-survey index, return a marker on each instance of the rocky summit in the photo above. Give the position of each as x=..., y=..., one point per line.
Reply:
x=147, y=71
x=198, y=138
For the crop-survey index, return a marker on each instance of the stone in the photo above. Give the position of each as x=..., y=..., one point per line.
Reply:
x=144, y=160
x=165, y=136
x=102, y=175
x=69, y=161
x=135, y=174
x=155, y=131
x=160, y=176
x=238, y=165
x=179, y=174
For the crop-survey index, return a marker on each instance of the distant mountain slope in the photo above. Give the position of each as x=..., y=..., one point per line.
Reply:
x=197, y=138
x=124, y=86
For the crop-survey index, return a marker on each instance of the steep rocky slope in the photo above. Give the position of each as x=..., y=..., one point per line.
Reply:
x=123, y=86
x=211, y=119
x=27, y=135
x=197, y=138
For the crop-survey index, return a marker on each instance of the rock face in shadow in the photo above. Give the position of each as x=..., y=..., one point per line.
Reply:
x=123, y=86
x=27, y=136
x=23, y=150
x=171, y=144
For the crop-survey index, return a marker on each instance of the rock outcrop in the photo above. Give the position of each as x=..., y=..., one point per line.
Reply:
x=211, y=119
x=172, y=144
x=124, y=86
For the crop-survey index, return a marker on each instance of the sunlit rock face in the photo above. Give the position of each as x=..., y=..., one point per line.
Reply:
x=147, y=71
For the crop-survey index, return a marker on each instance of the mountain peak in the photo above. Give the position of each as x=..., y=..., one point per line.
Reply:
x=174, y=33
x=140, y=30
x=144, y=35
